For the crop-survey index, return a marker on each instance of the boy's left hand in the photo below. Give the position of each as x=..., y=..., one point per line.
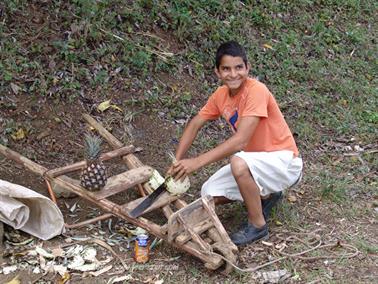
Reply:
x=182, y=168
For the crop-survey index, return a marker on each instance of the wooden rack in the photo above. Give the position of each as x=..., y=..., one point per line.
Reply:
x=194, y=227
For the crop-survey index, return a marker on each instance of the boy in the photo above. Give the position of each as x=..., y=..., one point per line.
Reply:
x=264, y=158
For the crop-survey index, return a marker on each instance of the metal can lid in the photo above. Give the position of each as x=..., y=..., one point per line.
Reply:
x=142, y=237
x=142, y=240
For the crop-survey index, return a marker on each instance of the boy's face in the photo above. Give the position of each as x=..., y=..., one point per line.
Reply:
x=233, y=72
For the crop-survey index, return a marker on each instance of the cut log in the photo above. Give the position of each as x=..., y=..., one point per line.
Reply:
x=33, y=167
x=125, y=180
x=29, y=164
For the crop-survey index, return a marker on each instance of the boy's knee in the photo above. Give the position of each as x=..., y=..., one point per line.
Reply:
x=205, y=190
x=239, y=167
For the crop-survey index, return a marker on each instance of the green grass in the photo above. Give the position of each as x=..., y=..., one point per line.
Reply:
x=367, y=247
x=322, y=61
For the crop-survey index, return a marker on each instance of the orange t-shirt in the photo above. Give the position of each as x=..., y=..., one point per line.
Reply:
x=254, y=99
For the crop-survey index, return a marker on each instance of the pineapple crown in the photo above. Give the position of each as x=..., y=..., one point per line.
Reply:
x=92, y=146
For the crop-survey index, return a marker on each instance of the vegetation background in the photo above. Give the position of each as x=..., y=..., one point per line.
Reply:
x=154, y=61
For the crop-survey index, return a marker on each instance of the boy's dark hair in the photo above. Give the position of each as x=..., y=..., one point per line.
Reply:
x=231, y=48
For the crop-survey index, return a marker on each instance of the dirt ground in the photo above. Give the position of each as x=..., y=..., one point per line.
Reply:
x=54, y=139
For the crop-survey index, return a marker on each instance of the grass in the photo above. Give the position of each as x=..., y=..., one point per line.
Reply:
x=367, y=247
x=318, y=57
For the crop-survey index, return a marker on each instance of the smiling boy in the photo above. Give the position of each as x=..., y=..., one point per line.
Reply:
x=264, y=158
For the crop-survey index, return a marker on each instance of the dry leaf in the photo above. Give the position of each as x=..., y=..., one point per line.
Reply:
x=116, y=108
x=15, y=88
x=101, y=271
x=65, y=278
x=44, y=134
x=292, y=198
x=104, y=106
x=14, y=281
x=268, y=46
x=55, y=81
x=275, y=276
x=269, y=244
x=57, y=252
x=44, y=253
x=19, y=135
x=278, y=223
x=280, y=246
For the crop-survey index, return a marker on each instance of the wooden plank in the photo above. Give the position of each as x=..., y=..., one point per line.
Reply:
x=123, y=181
x=195, y=237
x=193, y=214
x=198, y=229
x=162, y=200
x=208, y=203
x=82, y=164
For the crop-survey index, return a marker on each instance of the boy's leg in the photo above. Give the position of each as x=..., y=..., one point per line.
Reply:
x=222, y=186
x=249, y=191
x=220, y=200
x=256, y=227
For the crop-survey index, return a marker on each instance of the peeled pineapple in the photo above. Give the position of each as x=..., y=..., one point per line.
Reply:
x=176, y=187
x=93, y=177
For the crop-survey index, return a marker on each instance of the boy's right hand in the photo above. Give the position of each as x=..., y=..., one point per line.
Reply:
x=182, y=168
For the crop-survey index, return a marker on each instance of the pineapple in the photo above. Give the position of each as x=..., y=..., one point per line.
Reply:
x=93, y=177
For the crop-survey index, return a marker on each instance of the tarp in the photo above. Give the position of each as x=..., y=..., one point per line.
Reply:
x=29, y=211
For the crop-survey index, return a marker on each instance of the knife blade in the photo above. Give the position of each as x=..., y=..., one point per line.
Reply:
x=137, y=211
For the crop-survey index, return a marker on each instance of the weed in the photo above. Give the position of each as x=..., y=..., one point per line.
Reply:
x=332, y=188
x=286, y=213
x=366, y=246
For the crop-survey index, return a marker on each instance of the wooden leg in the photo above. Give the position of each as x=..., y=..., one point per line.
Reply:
x=90, y=221
x=51, y=192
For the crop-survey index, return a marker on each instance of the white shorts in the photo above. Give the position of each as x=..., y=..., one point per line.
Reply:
x=272, y=172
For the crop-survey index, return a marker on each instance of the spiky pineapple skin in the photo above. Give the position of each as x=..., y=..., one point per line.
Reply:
x=94, y=176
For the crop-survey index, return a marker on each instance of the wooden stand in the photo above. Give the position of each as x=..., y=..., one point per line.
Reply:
x=194, y=228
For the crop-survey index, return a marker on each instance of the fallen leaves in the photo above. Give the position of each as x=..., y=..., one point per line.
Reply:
x=106, y=105
x=19, y=134
x=268, y=46
x=292, y=198
x=15, y=88
x=14, y=281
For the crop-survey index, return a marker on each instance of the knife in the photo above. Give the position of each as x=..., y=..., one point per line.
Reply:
x=137, y=211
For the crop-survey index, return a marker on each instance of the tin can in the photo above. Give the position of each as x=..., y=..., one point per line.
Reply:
x=142, y=249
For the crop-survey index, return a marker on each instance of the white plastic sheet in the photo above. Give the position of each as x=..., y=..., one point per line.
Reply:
x=29, y=211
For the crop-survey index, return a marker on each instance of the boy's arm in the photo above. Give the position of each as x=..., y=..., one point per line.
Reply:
x=232, y=145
